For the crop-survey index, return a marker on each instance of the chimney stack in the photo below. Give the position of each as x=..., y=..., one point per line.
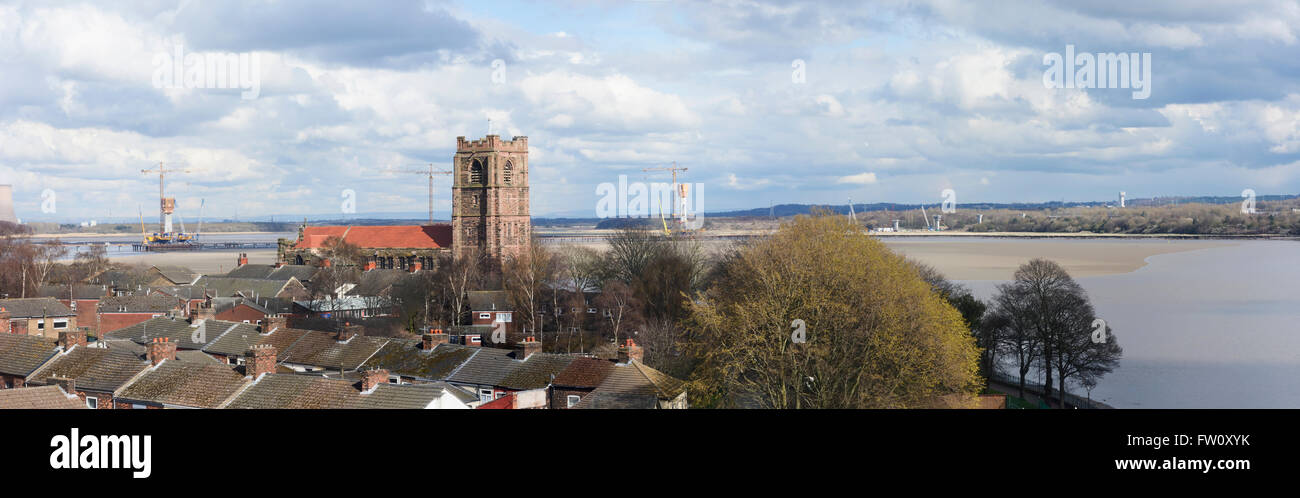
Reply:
x=204, y=312
x=349, y=331
x=161, y=349
x=433, y=338
x=370, y=265
x=243, y=259
x=70, y=338
x=260, y=360
x=373, y=378
x=274, y=322
x=630, y=351
x=526, y=348
x=68, y=385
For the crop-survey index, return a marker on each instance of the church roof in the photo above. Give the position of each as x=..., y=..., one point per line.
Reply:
x=380, y=237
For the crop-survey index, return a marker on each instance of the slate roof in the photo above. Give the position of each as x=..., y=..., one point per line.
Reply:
x=39, y=398
x=238, y=341
x=292, y=391
x=322, y=349
x=245, y=287
x=188, y=292
x=192, y=384
x=177, y=274
x=379, y=237
x=606, y=400
x=487, y=367
x=20, y=354
x=35, y=307
x=379, y=282
x=489, y=301
x=270, y=272
x=584, y=373
x=180, y=332
x=155, y=303
x=267, y=306
x=536, y=371
x=78, y=291
x=632, y=385
x=404, y=357
x=93, y=369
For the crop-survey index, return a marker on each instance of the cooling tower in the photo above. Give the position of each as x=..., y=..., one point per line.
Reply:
x=7, y=204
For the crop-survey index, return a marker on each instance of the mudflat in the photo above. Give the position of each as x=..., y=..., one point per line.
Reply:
x=969, y=258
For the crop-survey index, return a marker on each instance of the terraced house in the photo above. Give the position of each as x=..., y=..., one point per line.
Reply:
x=43, y=316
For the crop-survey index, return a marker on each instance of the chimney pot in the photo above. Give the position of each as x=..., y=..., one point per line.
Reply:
x=529, y=346
x=630, y=351
x=161, y=349
x=433, y=338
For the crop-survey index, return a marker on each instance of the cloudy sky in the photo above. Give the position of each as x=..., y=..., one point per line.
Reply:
x=780, y=101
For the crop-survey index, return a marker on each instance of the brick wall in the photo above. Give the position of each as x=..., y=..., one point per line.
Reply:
x=241, y=313
x=109, y=322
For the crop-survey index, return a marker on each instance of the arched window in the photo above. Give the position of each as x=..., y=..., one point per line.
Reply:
x=476, y=172
x=508, y=174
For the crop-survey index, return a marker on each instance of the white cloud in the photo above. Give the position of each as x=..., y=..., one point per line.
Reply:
x=859, y=179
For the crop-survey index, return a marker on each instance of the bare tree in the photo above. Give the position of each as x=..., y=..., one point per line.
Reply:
x=47, y=256
x=526, y=276
x=620, y=306
x=462, y=275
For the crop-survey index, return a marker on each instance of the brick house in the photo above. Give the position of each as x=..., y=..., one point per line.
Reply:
x=579, y=379
x=124, y=311
x=43, y=316
x=81, y=298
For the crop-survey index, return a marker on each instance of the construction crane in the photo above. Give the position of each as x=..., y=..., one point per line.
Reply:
x=165, y=208
x=674, y=169
x=430, y=174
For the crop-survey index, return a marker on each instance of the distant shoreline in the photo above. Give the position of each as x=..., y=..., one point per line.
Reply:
x=125, y=234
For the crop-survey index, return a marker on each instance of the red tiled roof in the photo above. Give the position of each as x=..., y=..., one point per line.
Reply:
x=506, y=402
x=380, y=237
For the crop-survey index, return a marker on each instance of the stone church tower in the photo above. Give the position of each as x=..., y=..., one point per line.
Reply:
x=489, y=207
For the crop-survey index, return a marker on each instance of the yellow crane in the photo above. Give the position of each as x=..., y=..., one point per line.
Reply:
x=430, y=174
x=674, y=169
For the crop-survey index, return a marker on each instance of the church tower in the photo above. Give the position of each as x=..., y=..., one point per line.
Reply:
x=490, y=198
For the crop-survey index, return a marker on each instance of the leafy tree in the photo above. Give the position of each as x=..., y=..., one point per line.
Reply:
x=877, y=336
x=1048, y=317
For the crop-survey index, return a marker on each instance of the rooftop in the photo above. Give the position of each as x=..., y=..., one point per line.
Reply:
x=380, y=237
x=35, y=307
x=93, y=369
x=39, y=398
x=21, y=354
x=192, y=384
